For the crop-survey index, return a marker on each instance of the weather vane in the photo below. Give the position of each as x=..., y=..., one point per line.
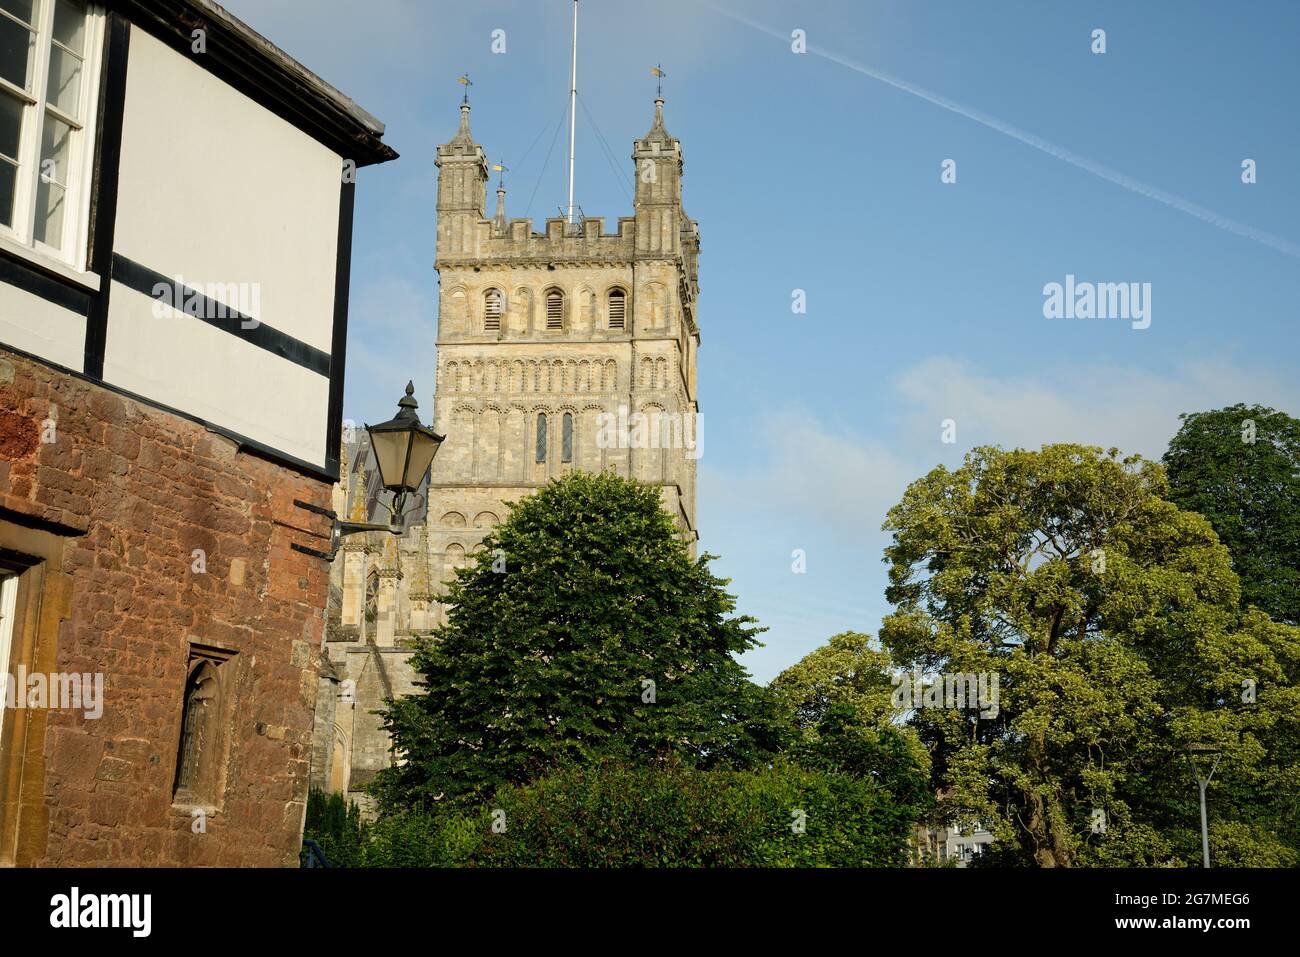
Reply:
x=465, y=81
x=659, y=72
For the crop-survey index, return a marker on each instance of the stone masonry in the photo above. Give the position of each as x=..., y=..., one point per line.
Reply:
x=124, y=503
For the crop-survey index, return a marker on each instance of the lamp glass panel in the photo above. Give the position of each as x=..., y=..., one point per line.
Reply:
x=422, y=454
x=390, y=453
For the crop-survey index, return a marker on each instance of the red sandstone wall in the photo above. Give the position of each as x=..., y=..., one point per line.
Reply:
x=146, y=488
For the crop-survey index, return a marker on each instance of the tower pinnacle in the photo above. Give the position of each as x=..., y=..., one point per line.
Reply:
x=499, y=220
x=462, y=189
x=463, y=134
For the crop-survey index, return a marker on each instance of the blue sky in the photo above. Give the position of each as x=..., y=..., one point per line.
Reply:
x=805, y=171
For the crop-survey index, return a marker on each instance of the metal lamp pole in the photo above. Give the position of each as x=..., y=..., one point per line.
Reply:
x=1205, y=751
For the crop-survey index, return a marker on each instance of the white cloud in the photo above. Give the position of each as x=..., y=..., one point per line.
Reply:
x=1133, y=409
x=842, y=482
x=814, y=473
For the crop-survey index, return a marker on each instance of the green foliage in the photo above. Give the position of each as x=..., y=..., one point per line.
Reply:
x=1112, y=619
x=839, y=697
x=1247, y=484
x=416, y=838
x=889, y=757
x=337, y=827
x=666, y=815
x=844, y=671
x=548, y=663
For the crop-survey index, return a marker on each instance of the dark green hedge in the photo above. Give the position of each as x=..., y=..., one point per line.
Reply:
x=612, y=815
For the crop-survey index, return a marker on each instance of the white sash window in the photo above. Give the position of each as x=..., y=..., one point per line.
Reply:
x=49, y=81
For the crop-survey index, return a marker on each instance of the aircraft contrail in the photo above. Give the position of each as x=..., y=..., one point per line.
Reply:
x=1037, y=142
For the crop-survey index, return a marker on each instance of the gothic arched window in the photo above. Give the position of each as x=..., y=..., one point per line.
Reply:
x=566, y=436
x=617, y=308
x=554, y=309
x=457, y=308
x=455, y=558
x=541, y=437
x=199, y=755
x=196, y=723
x=493, y=305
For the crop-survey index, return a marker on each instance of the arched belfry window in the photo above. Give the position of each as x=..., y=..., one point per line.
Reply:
x=617, y=309
x=541, y=437
x=554, y=309
x=566, y=437
x=493, y=306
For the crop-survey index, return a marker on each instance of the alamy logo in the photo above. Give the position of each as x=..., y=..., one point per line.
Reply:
x=216, y=300
x=65, y=692
x=73, y=910
x=651, y=430
x=965, y=691
x=1101, y=300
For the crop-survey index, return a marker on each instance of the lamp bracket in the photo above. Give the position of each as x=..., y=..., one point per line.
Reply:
x=338, y=529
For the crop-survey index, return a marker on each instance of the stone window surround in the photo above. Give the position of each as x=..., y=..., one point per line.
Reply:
x=208, y=795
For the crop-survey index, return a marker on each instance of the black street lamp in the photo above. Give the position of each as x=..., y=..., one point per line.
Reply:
x=404, y=450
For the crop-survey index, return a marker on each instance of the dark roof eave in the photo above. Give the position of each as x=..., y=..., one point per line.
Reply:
x=266, y=74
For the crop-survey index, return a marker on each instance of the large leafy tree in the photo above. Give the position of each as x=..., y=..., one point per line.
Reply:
x=1240, y=468
x=839, y=698
x=846, y=670
x=1112, y=619
x=583, y=630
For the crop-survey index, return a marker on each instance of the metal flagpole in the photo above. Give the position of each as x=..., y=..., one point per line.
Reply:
x=573, y=107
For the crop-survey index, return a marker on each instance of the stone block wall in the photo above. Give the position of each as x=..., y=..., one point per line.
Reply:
x=158, y=536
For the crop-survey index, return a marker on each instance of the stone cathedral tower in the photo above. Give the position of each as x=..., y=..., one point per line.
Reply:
x=566, y=348
x=545, y=337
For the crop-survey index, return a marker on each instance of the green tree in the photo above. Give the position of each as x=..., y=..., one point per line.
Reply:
x=846, y=670
x=839, y=697
x=1240, y=468
x=1112, y=620
x=889, y=757
x=337, y=827
x=582, y=630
